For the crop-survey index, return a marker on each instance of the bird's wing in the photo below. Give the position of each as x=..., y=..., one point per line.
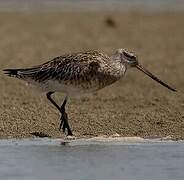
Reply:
x=66, y=67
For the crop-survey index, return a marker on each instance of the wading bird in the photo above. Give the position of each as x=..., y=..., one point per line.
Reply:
x=79, y=73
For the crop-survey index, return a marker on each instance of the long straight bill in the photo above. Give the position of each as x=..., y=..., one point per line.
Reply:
x=154, y=77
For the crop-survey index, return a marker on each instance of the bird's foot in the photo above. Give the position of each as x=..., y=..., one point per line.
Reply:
x=64, y=124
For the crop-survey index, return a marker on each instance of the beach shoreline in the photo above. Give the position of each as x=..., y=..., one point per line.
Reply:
x=134, y=106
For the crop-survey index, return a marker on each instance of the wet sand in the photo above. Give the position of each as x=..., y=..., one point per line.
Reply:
x=134, y=106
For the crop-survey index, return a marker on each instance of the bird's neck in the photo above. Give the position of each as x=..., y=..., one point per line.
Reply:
x=119, y=67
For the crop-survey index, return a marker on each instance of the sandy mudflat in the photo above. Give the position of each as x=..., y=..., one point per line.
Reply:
x=134, y=106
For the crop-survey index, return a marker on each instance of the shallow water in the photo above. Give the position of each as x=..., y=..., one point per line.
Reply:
x=50, y=159
x=22, y=5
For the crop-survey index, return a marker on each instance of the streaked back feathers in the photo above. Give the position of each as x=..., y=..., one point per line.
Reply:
x=83, y=70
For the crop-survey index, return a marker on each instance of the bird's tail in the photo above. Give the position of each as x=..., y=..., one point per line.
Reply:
x=12, y=72
x=22, y=73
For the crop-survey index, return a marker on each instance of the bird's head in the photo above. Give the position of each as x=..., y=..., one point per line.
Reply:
x=129, y=59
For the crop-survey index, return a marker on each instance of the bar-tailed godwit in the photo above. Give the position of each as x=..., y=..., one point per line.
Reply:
x=79, y=73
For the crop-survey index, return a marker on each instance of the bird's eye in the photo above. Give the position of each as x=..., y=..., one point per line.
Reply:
x=129, y=55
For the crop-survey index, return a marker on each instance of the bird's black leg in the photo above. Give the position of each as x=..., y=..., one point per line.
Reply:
x=64, y=117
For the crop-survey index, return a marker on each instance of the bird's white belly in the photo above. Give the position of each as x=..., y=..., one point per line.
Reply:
x=55, y=86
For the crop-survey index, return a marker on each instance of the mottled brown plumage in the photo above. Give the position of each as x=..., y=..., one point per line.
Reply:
x=79, y=73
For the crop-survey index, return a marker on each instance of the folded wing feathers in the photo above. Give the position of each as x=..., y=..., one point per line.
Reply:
x=61, y=68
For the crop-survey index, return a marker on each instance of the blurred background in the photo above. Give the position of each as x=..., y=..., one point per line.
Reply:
x=34, y=31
